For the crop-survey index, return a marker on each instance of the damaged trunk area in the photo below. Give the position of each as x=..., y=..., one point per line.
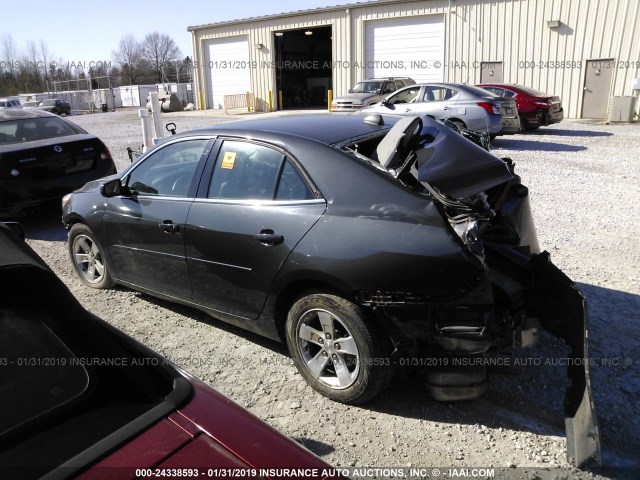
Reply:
x=488, y=211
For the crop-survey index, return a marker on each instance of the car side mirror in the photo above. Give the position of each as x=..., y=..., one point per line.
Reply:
x=112, y=188
x=384, y=102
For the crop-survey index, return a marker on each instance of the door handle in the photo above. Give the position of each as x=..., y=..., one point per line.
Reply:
x=446, y=108
x=169, y=227
x=268, y=237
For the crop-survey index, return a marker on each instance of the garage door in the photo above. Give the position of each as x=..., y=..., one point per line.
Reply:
x=227, y=61
x=406, y=47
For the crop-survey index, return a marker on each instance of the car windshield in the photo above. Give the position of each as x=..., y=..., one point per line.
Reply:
x=33, y=129
x=3, y=104
x=47, y=103
x=367, y=87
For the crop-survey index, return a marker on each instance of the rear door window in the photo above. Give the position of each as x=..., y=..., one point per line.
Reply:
x=438, y=94
x=249, y=171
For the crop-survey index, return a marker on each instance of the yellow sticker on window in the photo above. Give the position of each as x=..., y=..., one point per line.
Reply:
x=228, y=160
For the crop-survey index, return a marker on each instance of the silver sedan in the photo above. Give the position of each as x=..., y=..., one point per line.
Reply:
x=469, y=107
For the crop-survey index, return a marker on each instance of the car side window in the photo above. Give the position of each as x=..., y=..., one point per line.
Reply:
x=450, y=93
x=169, y=170
x=407, y=95
x=292, y=186
x=437, y=94
x=248, y=171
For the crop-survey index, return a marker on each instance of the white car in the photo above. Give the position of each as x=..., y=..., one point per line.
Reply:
x=10, y=103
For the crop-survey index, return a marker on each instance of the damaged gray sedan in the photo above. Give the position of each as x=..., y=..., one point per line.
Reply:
x=363, y=243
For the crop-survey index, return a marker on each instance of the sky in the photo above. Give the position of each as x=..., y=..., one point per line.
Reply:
x=80, y=31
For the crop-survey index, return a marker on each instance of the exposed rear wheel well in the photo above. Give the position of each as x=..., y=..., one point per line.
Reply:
x=294, y=291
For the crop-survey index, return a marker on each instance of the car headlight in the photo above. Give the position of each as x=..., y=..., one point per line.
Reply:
x=65, y=200
x=466, y=227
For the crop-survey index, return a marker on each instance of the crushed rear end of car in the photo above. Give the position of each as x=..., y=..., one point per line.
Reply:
x=517, y=293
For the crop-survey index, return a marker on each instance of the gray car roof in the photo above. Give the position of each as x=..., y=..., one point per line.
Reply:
x=325, y=128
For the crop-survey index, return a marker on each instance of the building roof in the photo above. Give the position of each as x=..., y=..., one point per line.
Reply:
x=293, y=13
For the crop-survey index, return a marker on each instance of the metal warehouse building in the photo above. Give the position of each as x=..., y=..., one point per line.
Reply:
x=585, y=51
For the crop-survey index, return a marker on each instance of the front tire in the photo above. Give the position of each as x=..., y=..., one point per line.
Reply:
x=337, y=349
x=88, y=258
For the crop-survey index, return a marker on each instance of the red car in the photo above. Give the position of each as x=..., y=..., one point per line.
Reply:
x=80, y=399
x=536, y=109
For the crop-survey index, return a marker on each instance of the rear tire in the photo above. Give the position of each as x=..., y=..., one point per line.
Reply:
x=88, y=258
x=337, y=349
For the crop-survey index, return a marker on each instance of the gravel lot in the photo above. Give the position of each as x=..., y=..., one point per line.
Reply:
x=584, y=180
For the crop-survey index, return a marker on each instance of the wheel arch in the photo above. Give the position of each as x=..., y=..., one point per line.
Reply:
x=296, y=289
x=457, y=120
x=72, y=219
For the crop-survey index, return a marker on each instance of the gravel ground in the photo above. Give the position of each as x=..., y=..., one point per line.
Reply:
x=584, y=180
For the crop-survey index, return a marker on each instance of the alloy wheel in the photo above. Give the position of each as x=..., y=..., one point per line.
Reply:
x=88, y=259
x=328, y=349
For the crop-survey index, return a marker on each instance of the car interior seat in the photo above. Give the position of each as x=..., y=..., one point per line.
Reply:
x=396, y=144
